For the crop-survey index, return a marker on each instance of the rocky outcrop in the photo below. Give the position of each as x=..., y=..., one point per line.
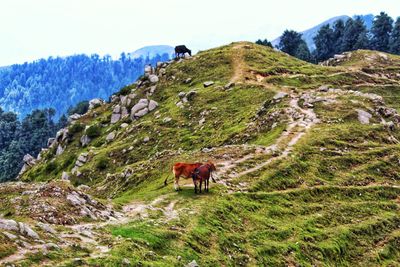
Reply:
x=94, y=103
x=363, y=116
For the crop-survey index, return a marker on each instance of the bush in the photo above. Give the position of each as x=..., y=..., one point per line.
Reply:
x=76, y=128
x=51, y=166
x=93, y=131
x=102, y=163
x=80, y=108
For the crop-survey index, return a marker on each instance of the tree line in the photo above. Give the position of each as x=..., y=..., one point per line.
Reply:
x=62, y=82
x=343, y=36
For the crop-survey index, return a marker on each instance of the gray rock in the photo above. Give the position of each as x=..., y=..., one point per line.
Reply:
x=123, y=100
x=167, y=119
x=94, y=103
x=146, y=139
x=132, y=96
x=50, y=142
x=363, y=116
x=153, y=78
x=193, y=263
x=8, y=225
x=143, y=103
x=124, y=125
x=28, y=159
x=74, y=117
x=229, y=85
x=115, y=118
x=65, y=176
x=117, y=109
x=152, y=105
x=75, y=199
x=9, y=235
x=83, y=187
x=181, y=95
x=124, y=112
x=51, y=246
x=180, y=104
x=126, y=262
x=323, y=88
x=47, y=228
x=110, y=137
x=141, y=113
x=208, y=83
x=148, y=69
x=60, y=150
x=188, y=80
x=85, y=140
x=83, y=157
x=27, y=231
x=279, y=95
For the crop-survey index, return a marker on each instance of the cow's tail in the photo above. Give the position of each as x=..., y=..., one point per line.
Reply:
x=166, y=179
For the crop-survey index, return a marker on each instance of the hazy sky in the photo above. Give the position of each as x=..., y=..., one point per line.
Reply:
x=31, y=29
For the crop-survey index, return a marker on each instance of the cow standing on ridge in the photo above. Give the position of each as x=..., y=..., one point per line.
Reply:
x=181, y=50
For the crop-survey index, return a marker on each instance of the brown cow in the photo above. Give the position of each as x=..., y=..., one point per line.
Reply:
x=203, y=173
x=183, y=169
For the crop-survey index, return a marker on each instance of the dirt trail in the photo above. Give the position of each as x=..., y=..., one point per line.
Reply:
x=295, y=129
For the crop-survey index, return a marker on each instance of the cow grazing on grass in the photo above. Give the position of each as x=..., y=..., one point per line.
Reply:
x=181, y=50
x=203, y=174
x=185, y=170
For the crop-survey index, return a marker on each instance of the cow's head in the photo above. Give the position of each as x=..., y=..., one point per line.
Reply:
x=190, y=52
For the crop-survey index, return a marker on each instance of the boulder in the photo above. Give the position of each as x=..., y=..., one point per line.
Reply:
x=124, y=112
x=65, y=176
x=229, y=85
x=141, y=113
x=94, y=103
x=363, y=116
x=47, y=228
x=28, y=159
x=280, y=95
x=153, y=78
x=85, y=140
x=193, y=263
x=27, y=231
x=83, y=157
x=8, y=225
x=143, y=103
x=152, y=105
x=50, y=141
x=60, y=150
x=115, y=118
x=110, y=137
x=74, y=117
x=208, y=83
x=117, y=109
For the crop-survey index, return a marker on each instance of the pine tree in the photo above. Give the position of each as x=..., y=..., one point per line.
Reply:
x=338, y=31
x=264, y=42
x=355, y=35
x=324, y=43
x=381, y=30
x=394, y=44
x=292, y=43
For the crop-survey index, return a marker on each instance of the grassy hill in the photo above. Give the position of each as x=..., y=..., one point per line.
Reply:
x=307, y=170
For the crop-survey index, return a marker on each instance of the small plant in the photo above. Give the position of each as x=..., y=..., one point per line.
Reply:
x=76, y=128
x=51, y=166
x=93, y=131
x=102, y=163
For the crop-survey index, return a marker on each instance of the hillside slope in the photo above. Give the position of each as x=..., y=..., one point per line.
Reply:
x=307, y=170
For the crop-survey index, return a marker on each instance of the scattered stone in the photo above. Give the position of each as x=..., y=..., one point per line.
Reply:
x=94, y=103
x=83, y=187
x=141, y=113
x=124, y=125
x=153, y=78
x=50, y=142
x=126, y=262
x=280, y=95
x=208, y=83
x=363, y=116
x=74, y=117
x=65, y=176
x=60, y=150
x=323, y=88
x=85, y=140
x=188, y=80
x=193, y=263
x=8, y=225
x=110, y=137
x=152, y=105
x=146, y=139
x=27, y=231
x=46, y=227
x=166, y=120
x=229, y=85
x=117, y=109
x=115, y=118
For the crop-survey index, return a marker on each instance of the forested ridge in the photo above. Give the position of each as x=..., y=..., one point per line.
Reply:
x=62, y=82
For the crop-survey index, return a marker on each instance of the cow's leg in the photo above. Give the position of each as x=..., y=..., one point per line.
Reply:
x=201, y=184
x=176, y=184
x=207, y=184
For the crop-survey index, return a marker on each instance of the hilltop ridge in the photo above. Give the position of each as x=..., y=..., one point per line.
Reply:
x=307, y=168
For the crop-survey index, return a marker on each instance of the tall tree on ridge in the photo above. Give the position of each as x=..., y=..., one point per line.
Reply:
x=381, y=30
x=394, y=43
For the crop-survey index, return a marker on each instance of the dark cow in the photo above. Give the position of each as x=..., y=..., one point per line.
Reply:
x=180, y=51
x=203, y=174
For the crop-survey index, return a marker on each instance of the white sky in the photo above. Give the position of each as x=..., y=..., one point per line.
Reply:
x=32, y=29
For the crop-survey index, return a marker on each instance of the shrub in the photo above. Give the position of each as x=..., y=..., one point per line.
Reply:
x=76, y=128
x=102, y=163
x=93, y=131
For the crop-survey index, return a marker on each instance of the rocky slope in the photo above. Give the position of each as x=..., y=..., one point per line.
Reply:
x=307, y=157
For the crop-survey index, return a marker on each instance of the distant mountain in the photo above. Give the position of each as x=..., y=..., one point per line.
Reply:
x=63, y=82
x=309, y=34
x=152, y=51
